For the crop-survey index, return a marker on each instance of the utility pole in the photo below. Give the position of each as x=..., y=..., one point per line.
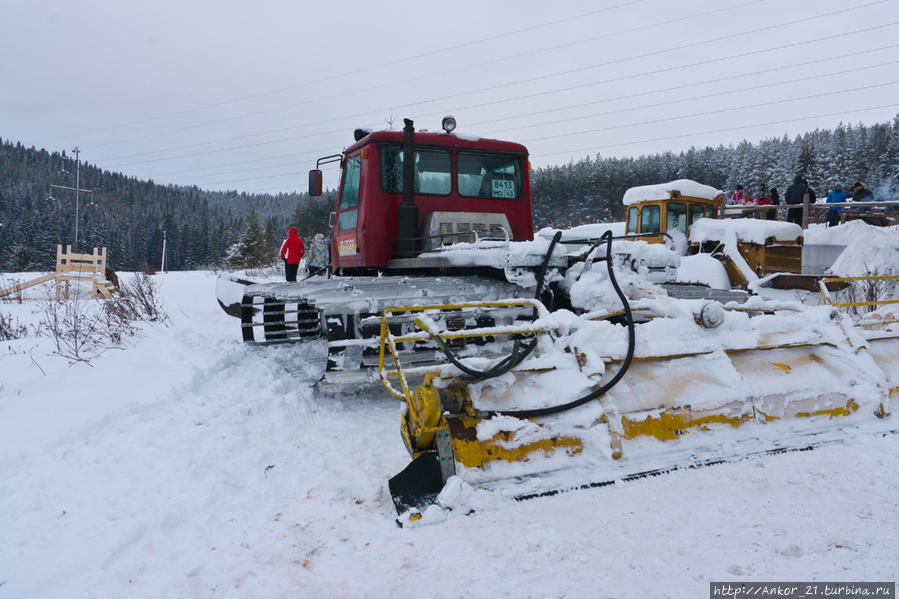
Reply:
x=162, y=266
x=77, y=185
x=77, y=189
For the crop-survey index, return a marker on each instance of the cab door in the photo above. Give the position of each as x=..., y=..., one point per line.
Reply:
x=347, y=251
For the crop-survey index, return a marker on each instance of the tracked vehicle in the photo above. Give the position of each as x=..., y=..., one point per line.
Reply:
x=422, y=218
x=522, y=360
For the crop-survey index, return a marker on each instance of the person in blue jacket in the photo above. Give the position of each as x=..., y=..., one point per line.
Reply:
x=836, y=196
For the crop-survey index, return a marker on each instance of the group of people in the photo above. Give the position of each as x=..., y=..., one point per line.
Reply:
x=293, y=250
x=795, y=195
x=767, y=197
x=838, y=196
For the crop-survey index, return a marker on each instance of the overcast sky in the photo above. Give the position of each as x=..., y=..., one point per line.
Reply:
x=246, y=95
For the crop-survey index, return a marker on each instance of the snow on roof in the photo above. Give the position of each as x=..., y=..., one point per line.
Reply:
x=467, y=136
x=745, y=229
x=661, y=191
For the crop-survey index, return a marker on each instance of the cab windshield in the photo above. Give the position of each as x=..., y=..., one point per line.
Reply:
x=489, y=175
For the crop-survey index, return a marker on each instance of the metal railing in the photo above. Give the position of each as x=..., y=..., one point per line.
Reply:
x=425, y=332
x=824, y=295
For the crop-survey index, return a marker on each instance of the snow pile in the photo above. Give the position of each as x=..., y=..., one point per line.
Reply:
x=638, y=266
x=662, y=191
x=870, y=250
x=749, y=230
x=591, y=231
x=702, y=268
x=497, y=254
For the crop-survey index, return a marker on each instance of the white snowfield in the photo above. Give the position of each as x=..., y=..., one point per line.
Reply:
x=185, y=463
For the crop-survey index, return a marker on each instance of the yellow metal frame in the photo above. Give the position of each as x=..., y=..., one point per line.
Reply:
x=389, y=341
x=825, y=294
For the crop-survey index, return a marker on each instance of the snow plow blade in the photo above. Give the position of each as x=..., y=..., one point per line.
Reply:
x=418, y=484
x=229, y=292
x=805, y=381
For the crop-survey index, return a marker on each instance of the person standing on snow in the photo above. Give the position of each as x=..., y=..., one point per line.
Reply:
x=860, y=194
x=775, y=201
x=318, y=253
x=794, y=195
x=292, y=251
x=836, y=196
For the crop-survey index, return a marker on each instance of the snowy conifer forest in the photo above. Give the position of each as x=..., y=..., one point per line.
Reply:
x=204, y=228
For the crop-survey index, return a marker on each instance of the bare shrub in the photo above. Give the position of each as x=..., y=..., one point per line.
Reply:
x=148, y=269
x=876, y=290
x=14, y=296
x=11, y=328
x=140, y=300
x=84, y=330
x=77, y=331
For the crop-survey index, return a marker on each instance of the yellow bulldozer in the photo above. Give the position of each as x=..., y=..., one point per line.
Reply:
x=654, y=383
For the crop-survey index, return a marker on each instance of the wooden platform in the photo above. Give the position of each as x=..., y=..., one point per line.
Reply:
x=72, y=266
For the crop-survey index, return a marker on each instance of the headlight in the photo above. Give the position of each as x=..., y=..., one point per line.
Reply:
x=449, y=123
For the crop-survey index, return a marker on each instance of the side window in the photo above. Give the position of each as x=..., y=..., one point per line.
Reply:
x=676, y=217
x=632, y=219
x=708, y=212
x=349, y=193
x=433, y=174
x=696, y=212
x=650, y=223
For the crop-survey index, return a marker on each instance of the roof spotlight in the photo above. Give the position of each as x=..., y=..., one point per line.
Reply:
x=449, y=123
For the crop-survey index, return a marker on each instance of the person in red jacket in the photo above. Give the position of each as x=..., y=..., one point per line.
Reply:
x=292, y=251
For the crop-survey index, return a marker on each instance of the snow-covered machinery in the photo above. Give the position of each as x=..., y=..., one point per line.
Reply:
x=422, y=218
x=583, y=400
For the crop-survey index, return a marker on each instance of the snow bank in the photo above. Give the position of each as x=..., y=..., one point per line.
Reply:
x=591, y=231
x=744, y=229
x=873, y=250
x=661, y=191
x=845, y=233
x=702, y=268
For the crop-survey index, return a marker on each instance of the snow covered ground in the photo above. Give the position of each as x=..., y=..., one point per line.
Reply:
x=190, y=465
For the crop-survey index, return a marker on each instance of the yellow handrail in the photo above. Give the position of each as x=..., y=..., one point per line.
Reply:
x=389, y=341
x=825, y=293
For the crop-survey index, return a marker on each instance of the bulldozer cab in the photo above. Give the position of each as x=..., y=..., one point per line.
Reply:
x=664, y=209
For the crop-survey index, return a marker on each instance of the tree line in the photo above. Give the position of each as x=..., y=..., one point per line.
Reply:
x=590, y=190
x=206, y=229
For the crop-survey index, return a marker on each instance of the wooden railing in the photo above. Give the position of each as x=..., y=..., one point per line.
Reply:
x=813, y=212
x=72, y=266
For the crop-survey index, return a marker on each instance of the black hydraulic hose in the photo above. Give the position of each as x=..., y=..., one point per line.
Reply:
x=541, y=274
x=502, y=367
x=518, y=355
x=631, y=341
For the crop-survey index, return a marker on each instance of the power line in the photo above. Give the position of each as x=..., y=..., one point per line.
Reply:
x=606, y=100
x=843, y=114
x=709, y=81
x=710, y=131
x=706, y=113
x=641, y=123
x=724, y=93
x=390, y=84
x=538, y=94
x=353, y=72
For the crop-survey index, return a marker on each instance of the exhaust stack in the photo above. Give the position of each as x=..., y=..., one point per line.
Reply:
x=407, y=224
